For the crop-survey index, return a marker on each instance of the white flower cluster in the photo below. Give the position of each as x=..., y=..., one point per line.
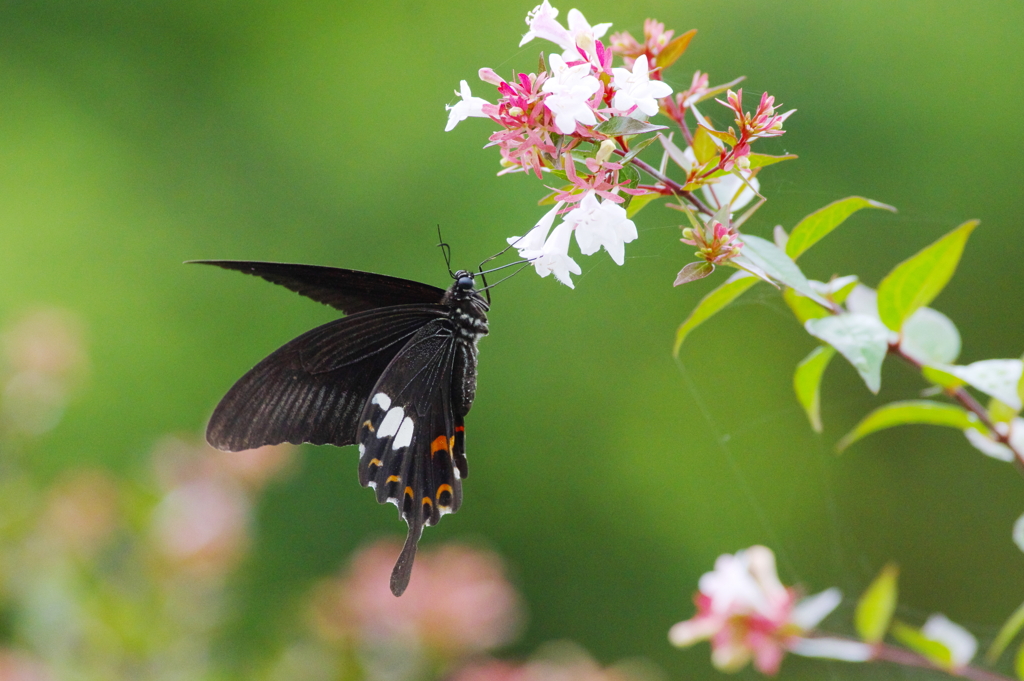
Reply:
x=597, y=224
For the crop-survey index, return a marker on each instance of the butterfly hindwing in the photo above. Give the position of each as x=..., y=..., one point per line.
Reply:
x=406, y=437
x=314, y=387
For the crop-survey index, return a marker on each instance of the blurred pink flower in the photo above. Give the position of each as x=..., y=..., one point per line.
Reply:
x=18, y=666
x=559, y=661
x=82, y=510
x=255, y=467
x=459, y=601
x=748, y=614
x=202, y=526
x=47, y=341
x=44, y=359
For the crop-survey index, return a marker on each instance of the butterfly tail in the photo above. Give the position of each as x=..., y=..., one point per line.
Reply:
x=403, y=567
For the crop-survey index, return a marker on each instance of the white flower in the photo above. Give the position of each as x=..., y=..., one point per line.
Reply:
x=583, y=34
x=543, y=23
x=569, y=89
x=997, y=450
x=548, y=254
x=469, y=106
x=600, y=224
x=961, y=643
x=636, y=89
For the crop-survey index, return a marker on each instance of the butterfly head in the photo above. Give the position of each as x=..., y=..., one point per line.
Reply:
x=463, y=290
x=464, y=280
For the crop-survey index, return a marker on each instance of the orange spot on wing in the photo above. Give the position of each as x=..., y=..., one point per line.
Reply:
x=427, y=501
x=368, y=424
x=460, y=429
x=440, y=443
x=374, y=462
x=445, y=488
x=392, y=478
x=408, y=491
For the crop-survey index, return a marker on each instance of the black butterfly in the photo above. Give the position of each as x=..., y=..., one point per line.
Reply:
x=396, y=376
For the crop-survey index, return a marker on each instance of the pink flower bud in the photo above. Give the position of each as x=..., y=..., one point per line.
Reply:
x=489, y=76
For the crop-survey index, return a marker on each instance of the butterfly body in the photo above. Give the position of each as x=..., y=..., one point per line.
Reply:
x=397, y=377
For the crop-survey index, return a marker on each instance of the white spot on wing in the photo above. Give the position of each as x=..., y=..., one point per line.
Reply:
x=392, y=420
x=372, y=483
x=404, y=436
x=383, y=400
x=362, y=449
x=458, y=476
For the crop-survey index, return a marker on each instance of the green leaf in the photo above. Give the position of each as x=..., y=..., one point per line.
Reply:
x=619, y=126
x=860, y=338
x=916, y=282
x=761, y=160
x=941, y=378
x=704, y=147
x=637, y=148
x=803, y=307
x=1009, y=630
x=712, y=304
x=930, y=337
x=807, y=382
x=674, y=50
x=778, y=265
x=933, y=650
x=693, y=272
x=726, y=137
x=1018, y=663
x=638, y=203
x=998, y=378
x=1000, y=412
x=910, y=412
x=815, y=226
x=876, y=605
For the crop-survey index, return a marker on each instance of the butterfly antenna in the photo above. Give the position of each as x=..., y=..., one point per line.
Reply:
x=483, y=274
x=446, y=250
x=524, y=264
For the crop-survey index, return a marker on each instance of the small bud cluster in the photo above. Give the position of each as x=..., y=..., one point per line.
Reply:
x=578, y=122
x=716, y=243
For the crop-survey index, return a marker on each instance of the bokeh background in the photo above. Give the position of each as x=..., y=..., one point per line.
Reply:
x=137, y=135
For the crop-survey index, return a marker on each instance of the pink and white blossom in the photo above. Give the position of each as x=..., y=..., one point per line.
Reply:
x=543, y=23
x=749, y=615
x=469, y=106
x=635, y=88
x=601, y=225
x=548, y=254
x=569, y=91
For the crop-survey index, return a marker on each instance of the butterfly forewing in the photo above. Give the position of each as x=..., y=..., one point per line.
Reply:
x=350, y=291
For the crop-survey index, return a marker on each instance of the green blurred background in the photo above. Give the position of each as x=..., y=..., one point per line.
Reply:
x=137, y=135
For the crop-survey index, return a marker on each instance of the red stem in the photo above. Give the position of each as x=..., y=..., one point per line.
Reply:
x=972, y=405
x=888, y=653
x=673, y=186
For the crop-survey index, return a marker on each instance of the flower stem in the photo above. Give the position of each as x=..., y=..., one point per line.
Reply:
x=888, y=653
x=670, y=184
x=968, y=401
